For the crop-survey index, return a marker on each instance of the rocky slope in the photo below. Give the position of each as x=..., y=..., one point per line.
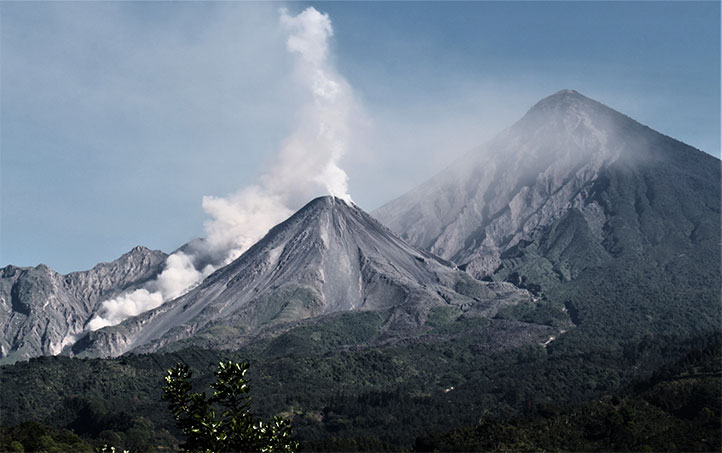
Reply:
x=327, y=258
x=554, y=171
x=41, y=310
x=611, y=220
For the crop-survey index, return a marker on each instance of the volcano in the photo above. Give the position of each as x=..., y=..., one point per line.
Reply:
x=327, y=258
x=585, y=204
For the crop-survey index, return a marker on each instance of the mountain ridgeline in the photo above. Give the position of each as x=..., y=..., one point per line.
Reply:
x=570, y=162
x=583, y=203
x=41, y=311
x=573, y=255
x=575, y=202
x=329, y=257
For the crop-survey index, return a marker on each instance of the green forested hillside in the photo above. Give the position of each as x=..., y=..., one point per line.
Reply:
x=33, y=436
x=652, y=268
x=678, y=409
x=377, y=398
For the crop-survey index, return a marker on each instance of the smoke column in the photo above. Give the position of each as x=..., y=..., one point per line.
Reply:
x=306, y=164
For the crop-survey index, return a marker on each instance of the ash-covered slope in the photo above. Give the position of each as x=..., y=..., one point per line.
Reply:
x=555, y=169
x=618, y=222
x=329, y=257
x=40, y=309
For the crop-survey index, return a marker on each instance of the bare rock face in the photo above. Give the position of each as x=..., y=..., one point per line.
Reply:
x=569, y=165
x=41, y=311
x=329, y=257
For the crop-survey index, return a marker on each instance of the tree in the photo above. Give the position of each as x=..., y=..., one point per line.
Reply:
x=235, y=429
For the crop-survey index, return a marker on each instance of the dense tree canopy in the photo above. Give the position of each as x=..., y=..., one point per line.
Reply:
x=234, y=429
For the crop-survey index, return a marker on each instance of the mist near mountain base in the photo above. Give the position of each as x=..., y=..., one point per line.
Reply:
x=306, y=165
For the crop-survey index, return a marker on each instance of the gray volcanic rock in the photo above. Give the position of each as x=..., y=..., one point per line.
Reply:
x=557, y=187
x=41, y=311
x=329, y=257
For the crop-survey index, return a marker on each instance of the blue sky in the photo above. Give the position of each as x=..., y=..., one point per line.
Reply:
x=117, y=118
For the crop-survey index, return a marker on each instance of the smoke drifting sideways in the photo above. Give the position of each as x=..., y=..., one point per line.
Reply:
x=308, y=162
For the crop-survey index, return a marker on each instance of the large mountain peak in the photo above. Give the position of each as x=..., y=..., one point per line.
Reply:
x=568, y=119
x=568, y=126
x=565, y=104
x=561, y=97
x=329, y=257
x=559, y=157
x=570, y=103
x=326, y=202
x=327, y=218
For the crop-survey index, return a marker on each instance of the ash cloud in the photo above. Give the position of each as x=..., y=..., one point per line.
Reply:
x=306, y=165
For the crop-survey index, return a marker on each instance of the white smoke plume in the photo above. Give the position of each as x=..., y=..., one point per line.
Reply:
x=178, y=276
x=307, y=163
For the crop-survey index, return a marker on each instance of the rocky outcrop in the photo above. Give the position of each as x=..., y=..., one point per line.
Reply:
x=42, y=311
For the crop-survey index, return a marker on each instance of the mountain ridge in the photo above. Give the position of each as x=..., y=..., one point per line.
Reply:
x=511, y=189
x=572, y=189
x=40, y=309
x=328, y=257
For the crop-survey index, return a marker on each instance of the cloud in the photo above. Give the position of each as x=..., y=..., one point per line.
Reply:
x=179, y=275
x=239, y=220
x=307, y=164
x=310, y=31
x=116, y=310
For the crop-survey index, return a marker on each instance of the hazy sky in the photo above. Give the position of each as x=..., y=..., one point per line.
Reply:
x=117, y=118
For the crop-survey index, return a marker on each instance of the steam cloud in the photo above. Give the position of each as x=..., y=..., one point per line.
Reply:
x=178, y=276
x=308, y=161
